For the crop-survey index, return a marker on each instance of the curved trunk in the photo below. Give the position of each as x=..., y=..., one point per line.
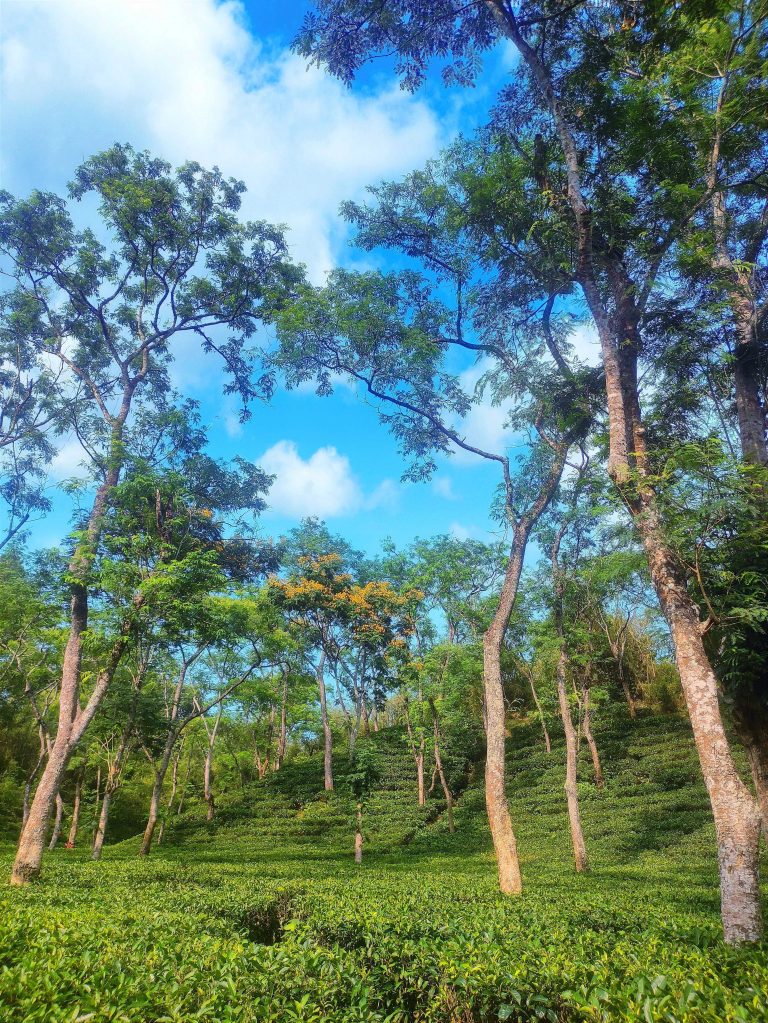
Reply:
x=73, y=719
x=494, y=714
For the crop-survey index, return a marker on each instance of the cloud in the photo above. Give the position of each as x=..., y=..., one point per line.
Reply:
x=443, y=487
x=186, y=79
x=321, y=485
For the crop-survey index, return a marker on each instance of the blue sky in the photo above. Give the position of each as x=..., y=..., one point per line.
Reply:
x=216, y=82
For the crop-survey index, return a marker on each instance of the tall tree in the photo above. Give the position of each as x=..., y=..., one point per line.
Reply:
x=178, y=265
x=604, y=204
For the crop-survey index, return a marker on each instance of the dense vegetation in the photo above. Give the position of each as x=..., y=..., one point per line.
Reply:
x=264, y=916
x=254, y=777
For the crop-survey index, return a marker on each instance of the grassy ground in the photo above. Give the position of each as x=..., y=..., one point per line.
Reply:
x=263, y=916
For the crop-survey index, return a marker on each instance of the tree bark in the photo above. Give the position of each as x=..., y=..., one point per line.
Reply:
x=73, y=720
x=587, y=726
x=736, y=815
x=750, y=715
x=207, y=787
x=571, y=749
x=327, y=737
x=359, y=834
x=75, y=823
x=282, y=741
x=571, y=785
x=57, y=823
x=417, y=751
x=439, y=766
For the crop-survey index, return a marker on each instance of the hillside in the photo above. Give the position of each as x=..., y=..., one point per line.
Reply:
x=263, y=915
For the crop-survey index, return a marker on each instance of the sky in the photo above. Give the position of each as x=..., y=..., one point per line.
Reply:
x=217, y=82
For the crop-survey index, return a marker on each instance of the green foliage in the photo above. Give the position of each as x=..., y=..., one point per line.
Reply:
x=265, y=918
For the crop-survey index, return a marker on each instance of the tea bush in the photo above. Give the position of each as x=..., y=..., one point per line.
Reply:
x=262, y=916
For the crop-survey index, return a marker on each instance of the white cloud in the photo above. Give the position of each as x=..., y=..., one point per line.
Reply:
x=186, y=79
x=322, y=485
x=443, y=487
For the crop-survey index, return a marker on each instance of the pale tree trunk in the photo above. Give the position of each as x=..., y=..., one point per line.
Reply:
x=571, y=785
x=359, y=834
x=439, y=766
x=207, y=787
x=111, y=785
x=57, y=823
x=494, y=714
x=736, y=814
x=282, y=741
x=571, y=751
x=211, y=734
x=154, y=811
x=327, y=737
x=417, y=752
x=617, y=646
x=75, y=822
x=587, y=726
x=174, y=730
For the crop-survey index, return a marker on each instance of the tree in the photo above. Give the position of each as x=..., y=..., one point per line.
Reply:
x=609, y=195
x=178, y=265
x=390, y=336
x=357, y=629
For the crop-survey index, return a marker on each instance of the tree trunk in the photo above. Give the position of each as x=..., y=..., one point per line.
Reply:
x=282, y=741
x=420, y=774
x=111, y=786
x=750, y=716
x=439, y=767
x=73, y=718
x=359, y=834
x=587, y=725
x=737, y=818
x=571, y=786
x=494, y=714
x=75, y=823
x=57, y=823
x=327, y=737
x=32, y=775
x=207, y=788
x=154, y=812
x=172, y=794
